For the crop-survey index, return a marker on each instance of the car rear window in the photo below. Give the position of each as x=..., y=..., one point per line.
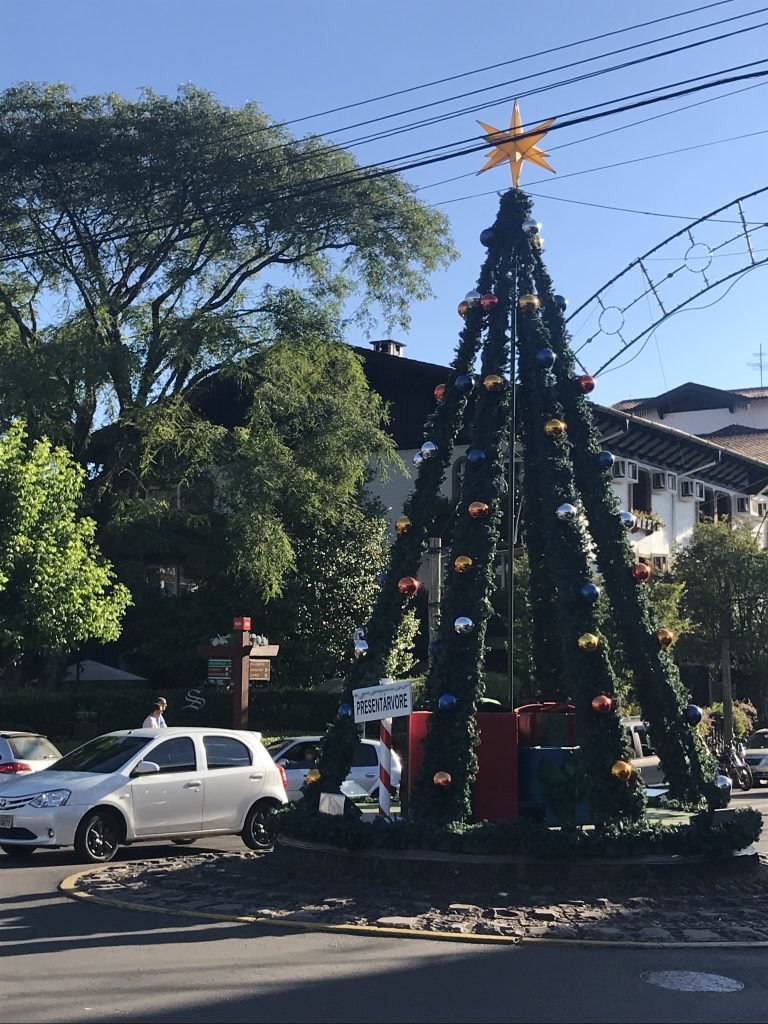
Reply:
x=365, y=756
x=226, y=752
x=32, y=748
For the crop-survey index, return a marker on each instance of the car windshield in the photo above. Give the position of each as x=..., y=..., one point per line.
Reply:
x=101, y=756
x=33, y=748
x=758, y=741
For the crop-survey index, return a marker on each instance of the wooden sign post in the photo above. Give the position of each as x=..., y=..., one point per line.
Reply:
x=238, y=653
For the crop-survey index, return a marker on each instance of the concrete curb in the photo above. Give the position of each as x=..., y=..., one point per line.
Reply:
x=69, y=888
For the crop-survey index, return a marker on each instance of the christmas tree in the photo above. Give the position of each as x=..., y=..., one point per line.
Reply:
x=574, y=527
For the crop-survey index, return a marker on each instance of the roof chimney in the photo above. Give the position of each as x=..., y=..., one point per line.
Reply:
x=388, y=346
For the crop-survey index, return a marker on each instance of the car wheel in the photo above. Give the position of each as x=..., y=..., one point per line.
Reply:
x=258, y=830
x=98, y=837
x=18, y=852
x=183, y=842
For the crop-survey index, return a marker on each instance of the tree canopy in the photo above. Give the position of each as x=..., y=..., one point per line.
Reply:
x=56, y=590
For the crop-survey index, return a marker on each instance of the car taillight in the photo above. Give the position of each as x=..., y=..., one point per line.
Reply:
x=13, y=767
x=283, y=776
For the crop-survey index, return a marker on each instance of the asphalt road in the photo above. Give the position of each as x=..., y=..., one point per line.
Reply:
x=66, y=960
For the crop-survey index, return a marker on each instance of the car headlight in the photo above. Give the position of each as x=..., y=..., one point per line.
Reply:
x=51, y=798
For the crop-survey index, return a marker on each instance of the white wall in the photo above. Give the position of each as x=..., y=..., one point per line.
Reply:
x=706, y=421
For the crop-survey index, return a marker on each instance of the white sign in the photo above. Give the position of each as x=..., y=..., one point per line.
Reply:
x=390, y=700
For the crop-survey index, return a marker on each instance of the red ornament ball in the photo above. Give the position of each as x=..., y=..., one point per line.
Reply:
x=488, y=301
x=586, y=383
x=478, y=509
x=408, y=585
x=602, y=704
x=641, y=572
x=439, y=392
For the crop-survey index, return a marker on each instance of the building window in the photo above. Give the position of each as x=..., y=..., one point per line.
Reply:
x=171, y=580
x=723, y=506
x=707, y=508
x=641, y=492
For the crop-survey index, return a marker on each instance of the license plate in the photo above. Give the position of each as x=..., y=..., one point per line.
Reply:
x=6, y=821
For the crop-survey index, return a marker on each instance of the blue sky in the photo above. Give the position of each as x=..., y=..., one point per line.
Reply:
x=298, y=58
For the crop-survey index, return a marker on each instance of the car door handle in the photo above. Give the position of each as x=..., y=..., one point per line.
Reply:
x=257, y=775
x=370, y=775
x=196, y=784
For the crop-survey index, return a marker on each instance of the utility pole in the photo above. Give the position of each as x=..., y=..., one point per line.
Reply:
x=435, y=584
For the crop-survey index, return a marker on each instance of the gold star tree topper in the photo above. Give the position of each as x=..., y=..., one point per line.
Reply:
x=516, y=145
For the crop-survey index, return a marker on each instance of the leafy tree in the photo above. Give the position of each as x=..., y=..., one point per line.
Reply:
x=724, y=571
x=155, y=248
x=56, y=591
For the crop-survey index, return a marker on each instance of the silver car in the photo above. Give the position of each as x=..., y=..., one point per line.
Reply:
x=24, y=752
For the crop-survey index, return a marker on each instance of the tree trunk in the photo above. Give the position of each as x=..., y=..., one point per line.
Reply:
x=725, y=676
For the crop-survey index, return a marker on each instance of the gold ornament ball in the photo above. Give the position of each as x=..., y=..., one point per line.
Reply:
x=313, y=776
x=528, y=303
x=622, y=770
x=463, y=563
x=588, y=642
x=538, y=241
x=666, y=637
x=478, y=509
x=464, y=308
x=555, y=428
x=442, y=779
x=403, y=524
x=493, y=382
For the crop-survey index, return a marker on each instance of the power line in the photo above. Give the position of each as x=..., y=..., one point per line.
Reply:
x=501, y=64
x=306, y=189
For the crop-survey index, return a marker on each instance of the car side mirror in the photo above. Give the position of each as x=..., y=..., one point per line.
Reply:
x=282, y=760
x=146, y=768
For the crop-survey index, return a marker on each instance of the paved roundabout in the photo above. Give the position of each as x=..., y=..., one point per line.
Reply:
x=652, y=910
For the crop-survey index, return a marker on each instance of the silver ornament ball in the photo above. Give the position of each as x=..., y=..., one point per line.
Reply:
x=472, y=298
x=627, y=520
x=418, y=458
x=531, y=226
x=361, y=648
x=463, y=625
x=428, y=449
x=567, y=513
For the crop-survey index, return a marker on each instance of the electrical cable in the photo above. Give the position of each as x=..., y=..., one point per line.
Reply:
x=305, y=189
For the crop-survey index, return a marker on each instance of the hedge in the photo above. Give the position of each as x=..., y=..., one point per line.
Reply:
x=57, y=713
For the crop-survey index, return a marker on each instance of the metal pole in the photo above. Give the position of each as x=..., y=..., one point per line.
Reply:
x=511, y=531
x=435, y=580
x=240, y=673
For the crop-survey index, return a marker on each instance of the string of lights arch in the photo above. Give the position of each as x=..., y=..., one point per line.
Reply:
x=716, y=249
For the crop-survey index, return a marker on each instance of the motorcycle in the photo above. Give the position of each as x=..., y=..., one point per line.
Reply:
x=733, y=765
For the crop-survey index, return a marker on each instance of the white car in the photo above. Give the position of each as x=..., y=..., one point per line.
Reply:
x=756, y=756
x=24, y=752
x=144, y=784
x=300, y=755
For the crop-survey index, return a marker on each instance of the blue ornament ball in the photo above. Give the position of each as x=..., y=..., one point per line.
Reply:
x=381, y=577
x=605, y=460
x=590, y=592
x=487, y=237
x=476, y=456
x=464, y=383
x=693, y=714
x=448, y=702
x=561, y=302
x=344, y=711
x=546, y=357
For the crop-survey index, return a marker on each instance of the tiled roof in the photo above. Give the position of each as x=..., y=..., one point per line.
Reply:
x=749, y=441
x=628, y=404
x=751, y=392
